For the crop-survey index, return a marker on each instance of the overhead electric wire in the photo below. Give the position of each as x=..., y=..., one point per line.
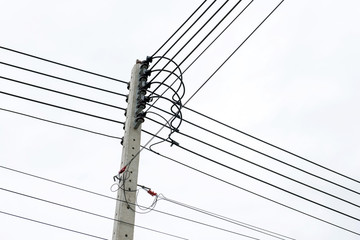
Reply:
x=52, y=225
x=210, y=32
x=61, y=79
x=61, y=124
x=179, y=38
x=209, y=45
x=256, y=194
x=262, y=153
x=87, y=212
x=60, y=92
x=260, y=166
x=212, y=16
x=218, y=36
x=62, y=64
x=206, y=36
x=63, y=108
x=217, y=68
x=180, y=27
x=272, y=145
x=258, y=179
x=234, y=52
x=102, y=195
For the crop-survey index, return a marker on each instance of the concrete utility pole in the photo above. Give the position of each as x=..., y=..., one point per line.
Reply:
x=124, y=212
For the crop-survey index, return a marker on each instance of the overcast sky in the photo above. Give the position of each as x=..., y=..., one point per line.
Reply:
x=294, y=83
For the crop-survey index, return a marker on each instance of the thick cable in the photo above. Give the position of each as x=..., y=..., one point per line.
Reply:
x=262, y=153
x=212, y=16
x=180, y=27
x=256, y=194
x=207, y=35
x=274, y=146
x=234, y=52
x=52, y=225
x=63, y=108
x=210, y=44
x=60, y=92
x=62, y=64
x=260, y=180
x=221, y=64
x=202, y=14
x=61, y=79
x=262, y=167
x=218, y=36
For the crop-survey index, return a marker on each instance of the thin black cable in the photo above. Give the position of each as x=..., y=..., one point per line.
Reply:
x=63, y=108
x=61, y=124
x=210, y=44
x=260, y=180
x=61, y=79
x=256, y=194
x=52, y=225
x=62, y=93
x=217, y=69
x=63, y=65
x=209, y=33
x=218, y=36
x=212, y=16
x=272, y=145
x=87, y=212
x=206, y=36
x=234, y=52
x=260, y=166
x=180, y=27
x=262, y=153
x=162, y=212
x=202, y=14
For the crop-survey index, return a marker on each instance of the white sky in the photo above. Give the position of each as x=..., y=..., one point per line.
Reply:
x=294, y=83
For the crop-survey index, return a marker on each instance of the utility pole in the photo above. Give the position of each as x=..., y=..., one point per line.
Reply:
x=126, y=194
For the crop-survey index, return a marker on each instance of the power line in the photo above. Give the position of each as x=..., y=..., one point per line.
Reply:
x=202, y=14
x=210, y=76
x=256, y=194
x=233, y=221
x=211, y=31
x=62, y=64
x=260, y=166
x=233, y=52
x=63, y=108
x=202, y=51
x=87, y=212
x=60, y=92
x=52, y=225
x=272, y=145
x=61, y=79
x=61, y=124
x=258, y=179
x=98, y=215
x=218, y=36
x=262, y=153
x=180, y=27
x=212, y=16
